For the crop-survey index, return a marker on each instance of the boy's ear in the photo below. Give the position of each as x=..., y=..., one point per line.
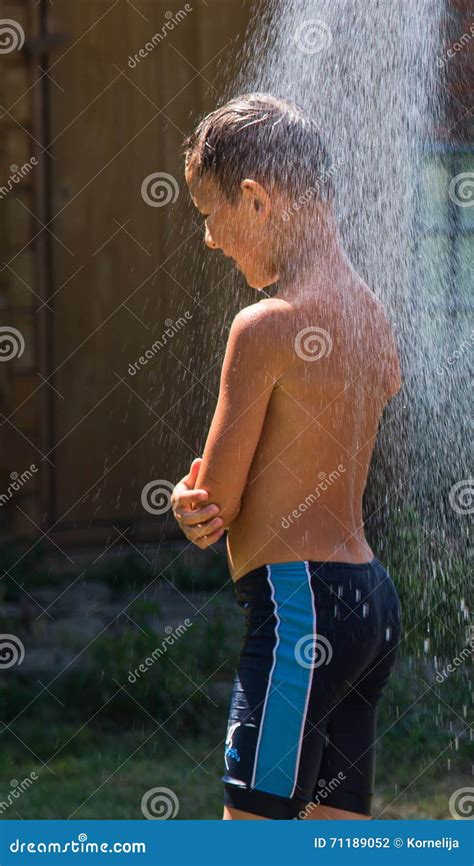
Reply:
x=257, y=195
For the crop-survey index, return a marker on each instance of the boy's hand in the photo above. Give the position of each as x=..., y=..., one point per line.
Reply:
x=199, y=524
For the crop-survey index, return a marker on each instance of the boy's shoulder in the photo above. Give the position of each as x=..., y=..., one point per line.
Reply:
x=261, y=314
x=258, y=330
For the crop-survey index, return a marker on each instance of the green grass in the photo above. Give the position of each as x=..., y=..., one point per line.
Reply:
x=103, y=774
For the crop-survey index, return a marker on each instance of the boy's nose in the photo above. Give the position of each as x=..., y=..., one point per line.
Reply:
x=208, y=240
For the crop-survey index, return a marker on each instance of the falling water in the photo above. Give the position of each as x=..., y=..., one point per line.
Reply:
x=368, y=73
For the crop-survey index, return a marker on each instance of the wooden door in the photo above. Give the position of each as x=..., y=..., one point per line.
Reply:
x=131, y=281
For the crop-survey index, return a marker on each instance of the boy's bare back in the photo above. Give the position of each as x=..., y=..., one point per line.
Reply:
x=304, y=489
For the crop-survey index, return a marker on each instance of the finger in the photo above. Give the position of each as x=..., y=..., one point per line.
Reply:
x=182, y=497
x=200, y=515
x=186, y=498
x=201, y=529
x=194, y=471
x=207, y=540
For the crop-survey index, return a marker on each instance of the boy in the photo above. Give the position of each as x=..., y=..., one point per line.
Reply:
x=306, y=375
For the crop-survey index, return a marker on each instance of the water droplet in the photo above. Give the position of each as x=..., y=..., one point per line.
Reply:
x=388, y=632
x=358, y=594
x=365, y=609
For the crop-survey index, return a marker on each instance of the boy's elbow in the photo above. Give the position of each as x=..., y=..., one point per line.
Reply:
x=229, y=513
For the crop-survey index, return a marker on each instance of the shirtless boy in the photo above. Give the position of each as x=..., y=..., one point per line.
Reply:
x=306, y=375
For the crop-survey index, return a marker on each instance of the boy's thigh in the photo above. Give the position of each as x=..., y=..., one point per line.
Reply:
x=346, y=775
x=238, y=815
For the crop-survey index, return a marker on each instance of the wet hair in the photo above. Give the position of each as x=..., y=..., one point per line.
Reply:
x=257, y=135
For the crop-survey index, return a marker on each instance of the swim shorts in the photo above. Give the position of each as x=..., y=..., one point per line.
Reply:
x=320, y=643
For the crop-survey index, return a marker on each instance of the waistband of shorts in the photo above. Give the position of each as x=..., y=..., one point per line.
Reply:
x=328, y=567
x=329, y=572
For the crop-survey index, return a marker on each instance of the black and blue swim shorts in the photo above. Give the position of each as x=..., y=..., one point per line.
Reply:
x=320, y=643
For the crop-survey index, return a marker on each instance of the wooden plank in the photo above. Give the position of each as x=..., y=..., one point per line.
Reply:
x=118, y=430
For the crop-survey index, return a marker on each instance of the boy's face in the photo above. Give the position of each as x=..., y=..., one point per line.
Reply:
x=242, y=230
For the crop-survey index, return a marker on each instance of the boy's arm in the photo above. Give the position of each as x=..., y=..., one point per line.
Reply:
x=250, y=369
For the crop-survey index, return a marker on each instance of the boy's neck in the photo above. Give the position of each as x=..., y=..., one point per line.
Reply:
x=324, y=268
x=316, y=259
